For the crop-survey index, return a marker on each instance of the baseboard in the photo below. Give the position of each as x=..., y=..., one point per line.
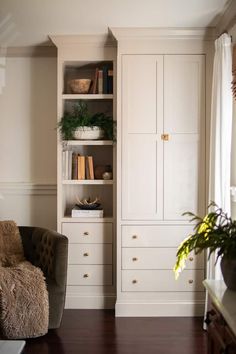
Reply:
x=90, y=302
x=168, y=309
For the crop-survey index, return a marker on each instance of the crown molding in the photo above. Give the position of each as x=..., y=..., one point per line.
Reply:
x=99, y=40
x=151, y=33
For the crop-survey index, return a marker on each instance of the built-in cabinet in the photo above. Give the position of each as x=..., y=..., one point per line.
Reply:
x=91, y=252
x=161, y=172
x=161, y=102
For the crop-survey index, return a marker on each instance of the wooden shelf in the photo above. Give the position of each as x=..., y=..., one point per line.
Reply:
x=74, y=96
x=76, y=220
x=87, y=142
x=88, y=181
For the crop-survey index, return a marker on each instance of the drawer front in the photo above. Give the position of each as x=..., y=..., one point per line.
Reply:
x=88, y=232
x=90, y=254
x=156, y=258
x=89, y=275
x=154, y=236
x=162, y=280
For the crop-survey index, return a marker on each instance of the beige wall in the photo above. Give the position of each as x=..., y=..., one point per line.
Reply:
x=28, y=141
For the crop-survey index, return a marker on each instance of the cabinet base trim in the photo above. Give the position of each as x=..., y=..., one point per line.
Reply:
x=90, y=302
x=183, y=309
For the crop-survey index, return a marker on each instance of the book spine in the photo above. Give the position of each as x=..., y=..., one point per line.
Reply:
x=105, y=80
x=70, y=164
x=74, y=165
x=110, y=81
x=95, y=82
x=100, y=81
x=81, y=167
x=90, y=165
x=87, y=174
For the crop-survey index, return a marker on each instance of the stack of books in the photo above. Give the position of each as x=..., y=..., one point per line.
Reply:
x=103, y=81
x=77, y=212
x=75, y=166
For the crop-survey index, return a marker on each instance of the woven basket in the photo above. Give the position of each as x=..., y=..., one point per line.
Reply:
x=80, y=85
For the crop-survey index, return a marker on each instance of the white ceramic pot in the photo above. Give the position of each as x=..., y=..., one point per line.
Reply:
x=88, y=133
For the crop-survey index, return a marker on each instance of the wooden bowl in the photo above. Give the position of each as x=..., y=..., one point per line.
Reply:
x=80, y=85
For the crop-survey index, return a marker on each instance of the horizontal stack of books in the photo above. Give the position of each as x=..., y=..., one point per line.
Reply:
x=77, y=212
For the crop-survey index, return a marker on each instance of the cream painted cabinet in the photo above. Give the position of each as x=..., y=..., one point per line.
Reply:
x=161, y=170
x=163, y=100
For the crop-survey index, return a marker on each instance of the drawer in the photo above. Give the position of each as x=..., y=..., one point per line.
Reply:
x=89, y=275
x=154, y=236
x=156, y=258
x=88, y=232
x=90, y=254
x=162, y=280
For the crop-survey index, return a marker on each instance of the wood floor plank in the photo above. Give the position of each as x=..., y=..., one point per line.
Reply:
x=99, y=332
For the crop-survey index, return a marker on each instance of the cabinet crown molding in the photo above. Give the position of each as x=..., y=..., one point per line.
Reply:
x=151, y=33
x=99, y=40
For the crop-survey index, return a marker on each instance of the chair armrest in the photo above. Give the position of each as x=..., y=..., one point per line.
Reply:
x=47, y=250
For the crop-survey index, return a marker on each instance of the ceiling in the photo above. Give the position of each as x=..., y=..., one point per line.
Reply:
x=28, y=22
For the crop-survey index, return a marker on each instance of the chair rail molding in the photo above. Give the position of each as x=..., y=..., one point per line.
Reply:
x=28, y=188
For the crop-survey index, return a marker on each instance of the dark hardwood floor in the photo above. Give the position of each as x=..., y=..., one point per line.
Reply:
x=99, y=332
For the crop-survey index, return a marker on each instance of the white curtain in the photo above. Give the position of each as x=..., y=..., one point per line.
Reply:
x=220, y=138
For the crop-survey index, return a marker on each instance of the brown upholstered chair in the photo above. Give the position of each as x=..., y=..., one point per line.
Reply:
x=48, y=250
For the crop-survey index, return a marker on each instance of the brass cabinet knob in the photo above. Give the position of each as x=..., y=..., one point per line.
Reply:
x=134, y=281
x=191, y=259
x=86, y=233
x=134, y=236
x=86, y=275
x=86, y=254
x=134, y=259
x=165, y=137
x=190, y=281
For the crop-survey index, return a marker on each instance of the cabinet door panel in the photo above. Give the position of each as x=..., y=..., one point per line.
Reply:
x=184, y=96
x=183, y=175
x=142, y=93
x=142, y=176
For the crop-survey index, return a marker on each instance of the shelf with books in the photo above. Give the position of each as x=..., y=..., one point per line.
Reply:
x=99, y=74
x=81, y=63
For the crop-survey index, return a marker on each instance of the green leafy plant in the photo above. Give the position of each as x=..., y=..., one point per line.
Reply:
x=216, y=231
x=80, y=117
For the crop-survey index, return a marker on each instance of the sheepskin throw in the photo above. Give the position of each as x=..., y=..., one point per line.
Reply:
x=23, y=293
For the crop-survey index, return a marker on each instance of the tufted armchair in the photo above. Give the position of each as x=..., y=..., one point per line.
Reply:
x=48, y=250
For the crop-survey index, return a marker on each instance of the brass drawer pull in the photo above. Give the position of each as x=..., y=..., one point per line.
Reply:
x=86, y=233
x=191, y=259
x=86, y=275
x=134, y=281
x=134, y=259
x=86, y=254
x=190, y=281
x=134, y=236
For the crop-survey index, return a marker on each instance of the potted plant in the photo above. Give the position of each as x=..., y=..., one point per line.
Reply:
x=216, y=232
x=80, y=124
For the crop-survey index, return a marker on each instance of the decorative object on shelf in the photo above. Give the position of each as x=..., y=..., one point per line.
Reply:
x=80, y=85
x=80, y=117
x=87, y=203
x=88, y=133
x=99, y=170
x=107, y=175
x=216, y=231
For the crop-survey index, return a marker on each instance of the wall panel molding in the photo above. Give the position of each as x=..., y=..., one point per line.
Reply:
x=23, y=188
